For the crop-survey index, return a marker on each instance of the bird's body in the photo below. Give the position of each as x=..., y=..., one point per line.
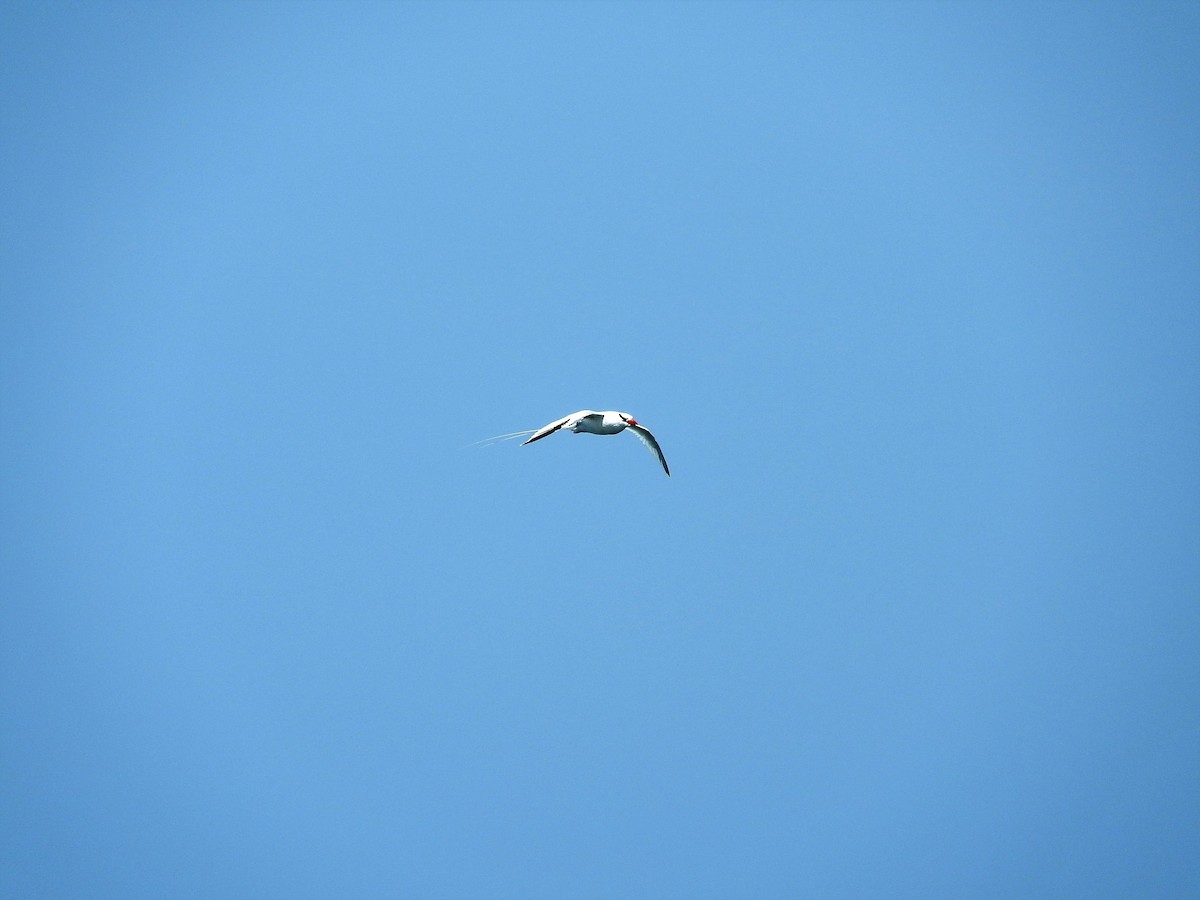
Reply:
x=588, y=421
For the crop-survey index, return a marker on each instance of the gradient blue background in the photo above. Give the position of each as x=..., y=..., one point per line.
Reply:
x=910, y=295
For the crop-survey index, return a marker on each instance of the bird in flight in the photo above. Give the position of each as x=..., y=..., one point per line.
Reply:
x=591, y=422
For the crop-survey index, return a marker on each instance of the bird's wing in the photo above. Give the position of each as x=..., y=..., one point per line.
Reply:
x=547, y=429
x=647, y=438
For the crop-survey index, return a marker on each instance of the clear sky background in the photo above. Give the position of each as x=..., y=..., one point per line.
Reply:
x=910, y=295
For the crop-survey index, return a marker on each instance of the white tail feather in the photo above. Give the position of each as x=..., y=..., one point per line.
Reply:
x=502, y=437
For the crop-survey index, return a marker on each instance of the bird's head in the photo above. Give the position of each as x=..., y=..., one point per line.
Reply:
x=627, y=418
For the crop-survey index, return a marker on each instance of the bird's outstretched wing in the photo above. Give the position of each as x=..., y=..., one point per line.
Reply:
x=547, y=429
x=647, y=438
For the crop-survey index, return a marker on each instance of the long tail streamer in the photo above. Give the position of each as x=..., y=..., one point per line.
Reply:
x=502, y=437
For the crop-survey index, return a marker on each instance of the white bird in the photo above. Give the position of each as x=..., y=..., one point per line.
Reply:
x=591, y=422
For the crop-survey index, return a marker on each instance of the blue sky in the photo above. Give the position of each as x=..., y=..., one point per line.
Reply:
x=910, y=295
